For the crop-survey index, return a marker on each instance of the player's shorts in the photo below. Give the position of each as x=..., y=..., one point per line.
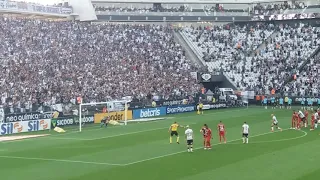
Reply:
x=174, y=133
x=303, y=119
x=208, y=138
x=273, y=104
x=221, y=133
x=200, y=108
x=190, y=142
x=245, y=135
x=275, y=124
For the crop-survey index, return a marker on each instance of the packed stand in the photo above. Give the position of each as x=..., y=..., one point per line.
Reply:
x=225, y=46
x=276, y=8
x=307, y=81
x=143, y=8
x=283, y=54
x=256, y=58
x=54, y=62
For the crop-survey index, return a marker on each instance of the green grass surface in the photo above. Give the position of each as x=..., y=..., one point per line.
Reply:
x=141, y=151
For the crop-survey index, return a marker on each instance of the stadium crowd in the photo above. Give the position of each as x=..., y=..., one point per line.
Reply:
x=261, y=9
x=48, y=62
x=276, y=8
x=259, y=57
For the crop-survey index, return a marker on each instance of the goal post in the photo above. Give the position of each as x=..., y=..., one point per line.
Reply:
x=112, y=107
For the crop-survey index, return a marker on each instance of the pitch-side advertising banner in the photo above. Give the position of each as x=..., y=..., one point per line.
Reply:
x=180, y=109
x=25, y=126
x=117, y=116
x=149, y=112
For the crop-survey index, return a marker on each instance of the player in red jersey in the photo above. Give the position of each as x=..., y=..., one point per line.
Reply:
x=312, y=122
x=294, y=120
x=306, y=113
x=203, y=132
x=208, y=137
x=222, y=131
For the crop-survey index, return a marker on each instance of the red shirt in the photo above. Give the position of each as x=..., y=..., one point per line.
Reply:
x=312, y=117
x=208, y=132
x=221, y=127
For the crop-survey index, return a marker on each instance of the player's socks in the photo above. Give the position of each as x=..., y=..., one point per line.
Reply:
x=178, y=140
x=305, y=124
x=170, y=140
x=191, y=150
x=272, y=129
x=188, y=149
x=247, y=140
x=316, y=126
x=243, y=140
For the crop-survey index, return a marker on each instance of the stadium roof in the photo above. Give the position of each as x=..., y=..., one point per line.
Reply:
x=187, y=1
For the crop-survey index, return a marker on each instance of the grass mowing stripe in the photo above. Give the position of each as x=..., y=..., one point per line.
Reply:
x=106, y=137
x=279, y=140
x=96, y=128
x=171, y=154
x=59, y=160
x=135, y=132
x=112, y=164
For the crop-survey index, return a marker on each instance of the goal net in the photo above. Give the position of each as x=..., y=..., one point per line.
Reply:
x=115, y=111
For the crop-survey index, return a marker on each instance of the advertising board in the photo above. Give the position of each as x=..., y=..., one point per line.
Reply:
x=117, y=116
x=180, y=109
x=25, y=126
x=149, y=112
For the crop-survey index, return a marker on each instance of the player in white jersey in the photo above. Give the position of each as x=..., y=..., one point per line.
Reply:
x=189, y=137
x=302, y=117
x=274, y=123
x=316, y=119
x=245, y=133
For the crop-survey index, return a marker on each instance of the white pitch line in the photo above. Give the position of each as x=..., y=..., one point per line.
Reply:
x=106, y=137
x=113, y=164
x=97, y=128
x=60, y=160
x=279, y=140
x=171, y=154
x=123, y=134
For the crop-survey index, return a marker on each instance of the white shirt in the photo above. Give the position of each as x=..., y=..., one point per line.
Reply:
x=189, y=134
x=316, y=115
x=245, y=129
x=301, y=115
x=274, y=119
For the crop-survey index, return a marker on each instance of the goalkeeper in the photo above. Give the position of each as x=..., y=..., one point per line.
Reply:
x=104, y=121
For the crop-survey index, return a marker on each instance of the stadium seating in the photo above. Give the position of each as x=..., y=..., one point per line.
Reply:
x=48, y=62
x=258, y=57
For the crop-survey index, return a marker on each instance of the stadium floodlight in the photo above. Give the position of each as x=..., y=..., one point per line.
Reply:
x=112, y=108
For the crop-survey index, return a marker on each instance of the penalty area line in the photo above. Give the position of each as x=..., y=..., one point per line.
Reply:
x=59, y=160
x=171, y=154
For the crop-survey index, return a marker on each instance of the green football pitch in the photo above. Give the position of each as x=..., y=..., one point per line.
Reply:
x=141, y=151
